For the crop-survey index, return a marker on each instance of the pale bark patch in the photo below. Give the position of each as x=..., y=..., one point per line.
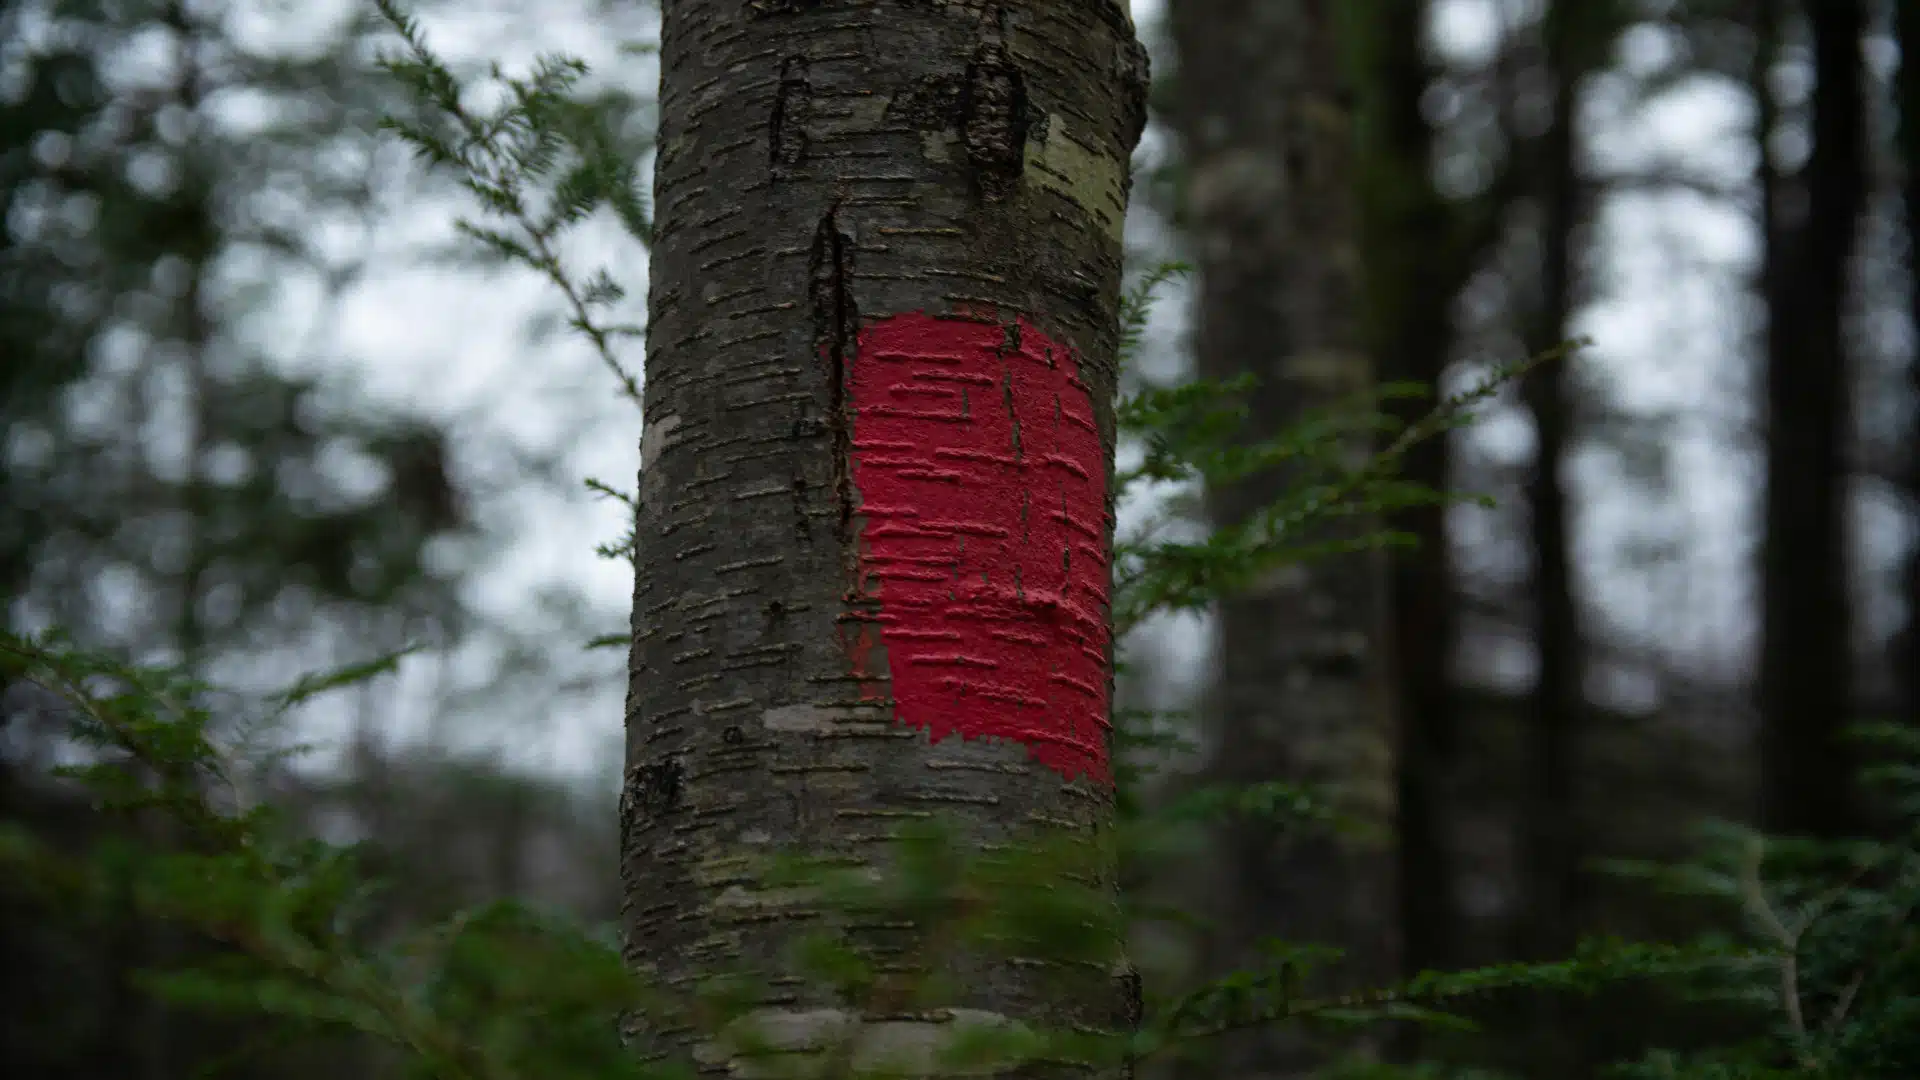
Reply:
x=852, y=114
x=938, y=145
x=802, y=718
x=1093, y=180
x=654, y=438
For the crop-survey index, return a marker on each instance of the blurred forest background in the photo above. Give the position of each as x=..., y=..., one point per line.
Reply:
x=262, y=414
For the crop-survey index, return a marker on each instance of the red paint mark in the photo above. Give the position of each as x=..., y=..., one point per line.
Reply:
x=983, y=492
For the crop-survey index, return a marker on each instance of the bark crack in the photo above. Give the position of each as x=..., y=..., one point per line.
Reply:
x=792, y=113
x=1013, y=415
x=764, y=8
x=835, y=323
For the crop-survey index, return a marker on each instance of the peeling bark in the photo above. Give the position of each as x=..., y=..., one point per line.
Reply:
x=833, y=174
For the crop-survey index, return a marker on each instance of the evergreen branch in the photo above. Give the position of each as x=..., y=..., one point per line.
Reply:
x=498, y=154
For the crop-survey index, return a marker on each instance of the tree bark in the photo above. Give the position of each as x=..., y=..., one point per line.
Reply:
x=1551, y=838
x=1266, y=118
x=1906, y=648
x=1419, y=251
x=876, y=506
x=1812, y=222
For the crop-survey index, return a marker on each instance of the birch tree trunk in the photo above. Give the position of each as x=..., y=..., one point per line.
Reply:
x=876, y=505
x=1267, y=122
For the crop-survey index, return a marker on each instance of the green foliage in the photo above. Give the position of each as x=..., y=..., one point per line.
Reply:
x=539, y=164
x=170, y=487
x=507, y=991
x=1196, y=432
x=496, y=992
x=1834, y=985
x=543, y=161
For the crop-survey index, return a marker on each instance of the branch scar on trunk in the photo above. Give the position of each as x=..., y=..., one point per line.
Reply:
x=994, y=120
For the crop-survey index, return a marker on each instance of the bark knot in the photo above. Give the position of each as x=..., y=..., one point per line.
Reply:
x=994, y=120
x=655, y=789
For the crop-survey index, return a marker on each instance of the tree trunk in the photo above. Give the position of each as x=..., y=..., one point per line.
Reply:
x=1418, y=255
x=876, y=506
x=1551, y=844
x=1267, y=122
x=1805, y=658
x=1551, y=841
x=1906, y=649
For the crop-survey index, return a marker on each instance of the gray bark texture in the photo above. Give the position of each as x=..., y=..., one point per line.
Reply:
x=825, y=164
x=1267, y=123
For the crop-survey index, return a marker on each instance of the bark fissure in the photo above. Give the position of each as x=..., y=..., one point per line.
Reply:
x=792, y=113
x=836, y=324
x=765, y=8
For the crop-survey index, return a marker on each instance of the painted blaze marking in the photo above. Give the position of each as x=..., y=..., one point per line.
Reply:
x=983, y=492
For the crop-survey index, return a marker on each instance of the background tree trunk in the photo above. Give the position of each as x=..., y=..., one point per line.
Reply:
x=1906, y=648
x=876, y=507
x=1266, y=117
x=1552, y=841
x=1812, y=223
x=1418, y=257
